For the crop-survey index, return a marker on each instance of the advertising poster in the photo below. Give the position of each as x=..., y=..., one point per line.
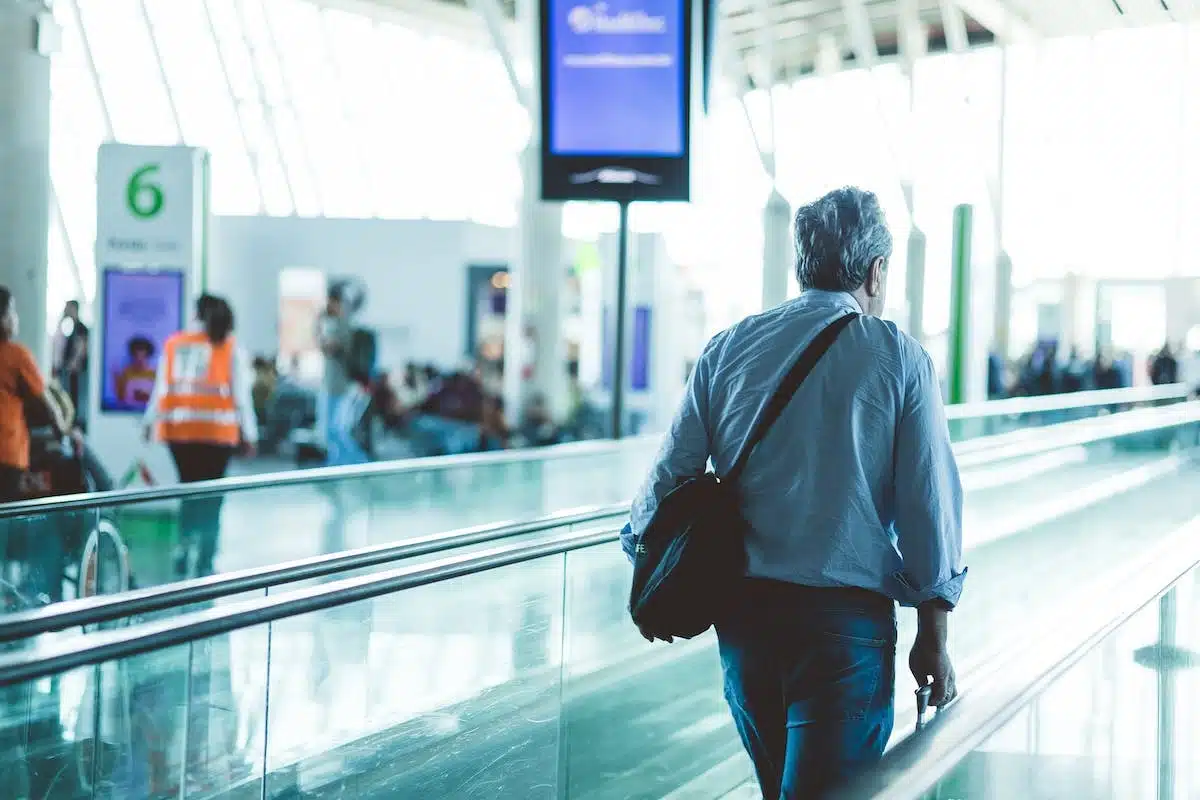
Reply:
x=616, y=91
x=141, y=310
x=302, y=292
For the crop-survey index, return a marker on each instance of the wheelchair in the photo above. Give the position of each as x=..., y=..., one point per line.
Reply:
x=58, y=556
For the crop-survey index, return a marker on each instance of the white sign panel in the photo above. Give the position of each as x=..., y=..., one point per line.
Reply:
x=150, y=206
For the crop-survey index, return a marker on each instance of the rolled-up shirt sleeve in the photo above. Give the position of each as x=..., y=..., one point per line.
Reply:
x=684, y=453
x=929, y=496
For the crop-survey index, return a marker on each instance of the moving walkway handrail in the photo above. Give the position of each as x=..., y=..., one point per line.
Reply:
x=275, y=480
x=53, y=657
x=1066, y=401
x=996, y=693
x=107, y=608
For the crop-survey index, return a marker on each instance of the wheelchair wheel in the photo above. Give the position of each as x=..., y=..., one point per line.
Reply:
x=104, y=567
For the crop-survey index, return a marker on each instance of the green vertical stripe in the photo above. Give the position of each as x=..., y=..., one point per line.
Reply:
x=960, y=282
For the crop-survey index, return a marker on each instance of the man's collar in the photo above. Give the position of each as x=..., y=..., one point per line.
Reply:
x=820, y=298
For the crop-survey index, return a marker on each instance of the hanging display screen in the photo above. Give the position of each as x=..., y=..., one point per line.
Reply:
x=616, y=86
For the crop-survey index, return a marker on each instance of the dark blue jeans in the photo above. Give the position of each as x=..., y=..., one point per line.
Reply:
x=810, y=676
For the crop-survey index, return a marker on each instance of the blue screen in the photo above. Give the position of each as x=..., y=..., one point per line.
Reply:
x=616, y=77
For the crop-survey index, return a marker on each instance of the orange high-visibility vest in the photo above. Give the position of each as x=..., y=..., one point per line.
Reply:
x=198, y=404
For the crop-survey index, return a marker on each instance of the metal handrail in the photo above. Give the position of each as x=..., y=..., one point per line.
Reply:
x=105, y=608
x=276, y=480
x=1071, y=400
x=998, y=691
x=53, y=657
x=319, y=475
x=1085, y=431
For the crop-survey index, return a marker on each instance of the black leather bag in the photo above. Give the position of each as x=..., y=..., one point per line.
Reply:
x=693, y=550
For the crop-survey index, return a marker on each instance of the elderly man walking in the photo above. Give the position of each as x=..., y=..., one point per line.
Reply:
x=852, y=501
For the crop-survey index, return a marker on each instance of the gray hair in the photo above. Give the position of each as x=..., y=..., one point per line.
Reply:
x=838, y=238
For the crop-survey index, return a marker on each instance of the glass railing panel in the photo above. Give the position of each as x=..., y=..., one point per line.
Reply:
x=446, y=690
x=981, y=419
x=163, y=724
x=181, y=722
x=639, y=720
x=151, y=543
x=41, y=558
x=1121, y=722
x=670, y=729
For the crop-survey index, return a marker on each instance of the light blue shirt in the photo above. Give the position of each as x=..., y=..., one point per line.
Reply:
x=855, y=484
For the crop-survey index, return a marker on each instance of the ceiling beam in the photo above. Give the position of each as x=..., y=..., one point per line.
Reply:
x=954, y=26
x=914, y=41
x=862, y=36
x=999, y=17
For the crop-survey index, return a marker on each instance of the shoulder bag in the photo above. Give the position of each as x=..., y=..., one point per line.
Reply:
x=693, y=550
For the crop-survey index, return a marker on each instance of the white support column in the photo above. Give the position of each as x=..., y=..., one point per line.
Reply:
x=1078, y=317
x=538, y=277
x=914, y=283
x=1001, y=334
x=777, y=249
x=535, y=303
x=25, y=166
x=1002, y=303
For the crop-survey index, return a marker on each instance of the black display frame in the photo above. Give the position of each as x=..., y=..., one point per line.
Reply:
x=563, y=177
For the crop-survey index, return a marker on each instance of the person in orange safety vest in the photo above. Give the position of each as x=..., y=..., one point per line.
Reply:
x=203, y=411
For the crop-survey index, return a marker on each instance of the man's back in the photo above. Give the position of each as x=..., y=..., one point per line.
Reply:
x=860, y=454
x=818, y=490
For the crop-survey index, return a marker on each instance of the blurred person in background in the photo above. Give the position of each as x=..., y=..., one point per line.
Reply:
x=265, y=377
x=26, y=402
x=1164, y=366
x=1105, y=373
x=493, y=429
x=537, y=425
x=1076, y=373
x=21, y=388
x=334, y=334
x=71, y=358
x=203, y=411
x=413, y=388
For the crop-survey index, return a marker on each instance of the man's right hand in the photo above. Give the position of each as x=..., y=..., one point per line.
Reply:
x=930, y=658
x=930, y=665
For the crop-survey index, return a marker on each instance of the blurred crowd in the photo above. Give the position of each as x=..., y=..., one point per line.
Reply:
x=1044, y=370
x=425, y=411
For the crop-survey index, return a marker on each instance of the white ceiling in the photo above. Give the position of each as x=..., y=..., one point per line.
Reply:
x=765, y=40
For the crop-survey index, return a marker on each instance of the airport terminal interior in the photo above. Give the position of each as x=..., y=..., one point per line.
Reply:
x=337, y=338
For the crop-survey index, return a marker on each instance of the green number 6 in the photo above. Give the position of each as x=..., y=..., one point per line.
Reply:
x=143, y=196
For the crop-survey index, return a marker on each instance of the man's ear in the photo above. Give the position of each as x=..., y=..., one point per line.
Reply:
x=875, y=278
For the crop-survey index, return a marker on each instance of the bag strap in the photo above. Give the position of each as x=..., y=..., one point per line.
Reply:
x=787, y=388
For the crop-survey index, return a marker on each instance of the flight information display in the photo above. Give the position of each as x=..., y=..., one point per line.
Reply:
x=617, y=83
x=616, y=99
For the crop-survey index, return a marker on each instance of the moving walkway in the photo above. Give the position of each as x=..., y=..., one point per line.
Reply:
x=271, y=519
x=499, y=662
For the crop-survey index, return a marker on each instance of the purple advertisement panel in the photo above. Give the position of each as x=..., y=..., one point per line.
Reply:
x=616, y=78
x=141, y=309
x=639, y=379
